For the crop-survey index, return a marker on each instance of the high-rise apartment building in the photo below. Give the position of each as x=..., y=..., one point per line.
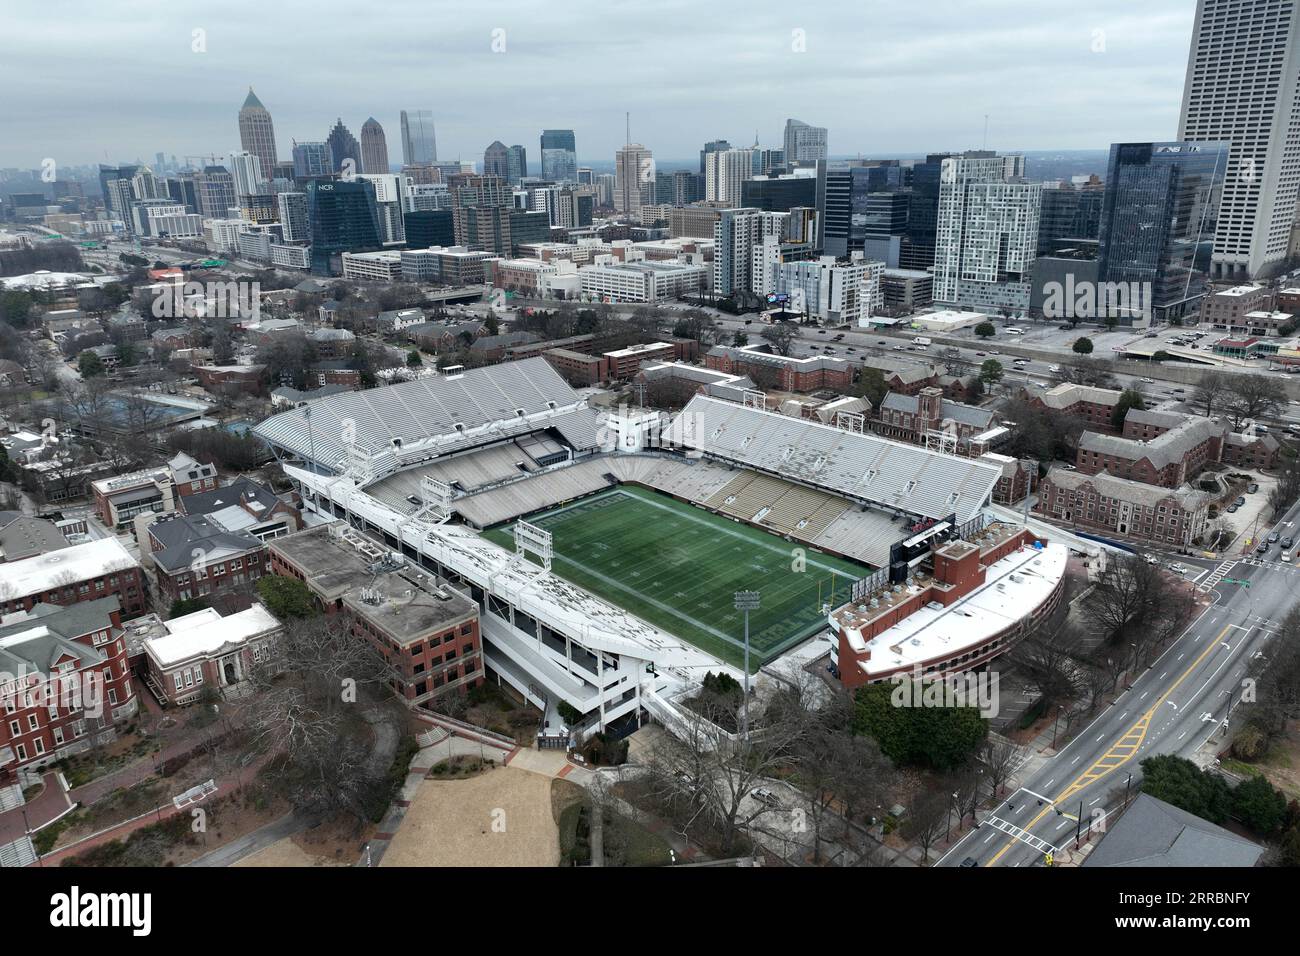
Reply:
x=745, y=250
x=256, y=132
x=1242, y=85
x=724, y=171
x=559, y=156
x=516, y=164
x=294, y=221
x=712, y=146
x=374, y=147
x=419, y=145
x=216, y=189
x=987, y=234
x=246, y=170
x=804, y=143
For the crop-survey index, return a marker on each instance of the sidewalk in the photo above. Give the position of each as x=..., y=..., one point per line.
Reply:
x=47, y=807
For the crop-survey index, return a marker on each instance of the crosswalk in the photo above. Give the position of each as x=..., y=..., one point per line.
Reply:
x=1009, y=828
x=20, y=852
x=1217, y=575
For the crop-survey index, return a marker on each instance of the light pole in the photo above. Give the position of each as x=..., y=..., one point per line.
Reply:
x=746, y=601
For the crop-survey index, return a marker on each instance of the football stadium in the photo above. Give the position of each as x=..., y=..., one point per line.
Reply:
x=604, y=547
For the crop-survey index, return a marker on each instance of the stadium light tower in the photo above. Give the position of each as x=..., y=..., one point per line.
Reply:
x=746, y=601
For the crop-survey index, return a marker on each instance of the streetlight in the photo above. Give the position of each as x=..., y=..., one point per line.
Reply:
x=746, y=601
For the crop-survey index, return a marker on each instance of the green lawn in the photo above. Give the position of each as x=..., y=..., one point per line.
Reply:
x=677, y=567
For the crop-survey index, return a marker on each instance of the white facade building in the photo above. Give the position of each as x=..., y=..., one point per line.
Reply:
x=724, y=171
x=372, y=266
x=607, y=279
x=1242, y=84
x=987, y=235
x=834, y=292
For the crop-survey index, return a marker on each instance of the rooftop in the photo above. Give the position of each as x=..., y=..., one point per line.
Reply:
x=206, y=632
x=1154, y=833
x=57, y=569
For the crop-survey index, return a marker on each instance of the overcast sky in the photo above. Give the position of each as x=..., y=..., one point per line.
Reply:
x=115, y=80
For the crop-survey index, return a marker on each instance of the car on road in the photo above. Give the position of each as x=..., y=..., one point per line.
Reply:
x=1054, y=368
x=1179, y=391
x=764, y=795
x=980, y=354
x=882, y=342
x=1286, y=556
x=1274, y=537
x=1263, y=548
x=1287, y=542
x=1150, y=559
x=821, y=331
x=1177, y=568
x=899, y=348
x=970, y=861
x=1252, y=488
x=1148, y=381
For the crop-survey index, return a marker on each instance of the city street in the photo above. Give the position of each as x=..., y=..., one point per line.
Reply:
x=1175, y=707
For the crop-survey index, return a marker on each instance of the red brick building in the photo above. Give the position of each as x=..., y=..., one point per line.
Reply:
x=1093, y=406
x=205, y=649
x=1169, y=459
x=426, y=630
x=84, y=572
x=911, y=417
x=786, y=373
x=64, y=680
x=1127, y=508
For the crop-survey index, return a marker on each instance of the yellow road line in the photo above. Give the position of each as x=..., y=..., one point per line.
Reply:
x=1129, y=742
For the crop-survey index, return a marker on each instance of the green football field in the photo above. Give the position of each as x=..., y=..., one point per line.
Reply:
x=677, y=567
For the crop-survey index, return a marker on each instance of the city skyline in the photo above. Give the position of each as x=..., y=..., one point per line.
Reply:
x=681, y=89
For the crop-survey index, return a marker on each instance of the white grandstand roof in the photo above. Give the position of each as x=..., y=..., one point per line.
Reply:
x=432, y=411
x=866, y=467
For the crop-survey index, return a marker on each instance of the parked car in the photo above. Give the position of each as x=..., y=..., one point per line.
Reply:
x=1150, y=559
x=1252, y=487
x=1232, y=508
x=1241, y=500
x=764, y=795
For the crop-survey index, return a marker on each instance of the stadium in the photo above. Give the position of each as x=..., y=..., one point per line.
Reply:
x=604, y=547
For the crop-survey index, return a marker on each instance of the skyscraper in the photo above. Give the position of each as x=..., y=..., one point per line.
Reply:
x=343, y=146
x=374, y=147
x=496, y=160
x=804, y=143
x=1243, y=74
x=342, y=217
x=246, y=170
x=516, y=164
x=311, y=160
x=724, y=171
x=987, y=235
x=256, y=132
x=419, y=145
x=712, y=146
x=633, y=166
x=294, y=222
x=559, y=156
x=216, y=189
x=1159, y=216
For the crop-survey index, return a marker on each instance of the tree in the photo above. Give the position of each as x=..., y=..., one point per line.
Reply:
x=929, y=734
x=1259, y=805
x=985, y=330
x=1180, y=782
x=1253, y=396
x=285, y=597
x=998, y=755
x=1209, y=391
x=1129, y=398
x=740, y=339
x=871, y=385
x=413, y=359
x=1082, y=345
x=927, y=815
x=781, y=336
x=991, y=372
x=89, y=364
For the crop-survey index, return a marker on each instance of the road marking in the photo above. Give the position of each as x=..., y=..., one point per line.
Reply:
x=1121, y=752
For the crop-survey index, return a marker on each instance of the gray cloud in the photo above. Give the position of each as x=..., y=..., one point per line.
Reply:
x=117, y=79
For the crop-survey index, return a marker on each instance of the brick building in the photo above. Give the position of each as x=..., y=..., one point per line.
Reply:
x=82, y=572
x=911, y=417
x=205, y=649
x=1093, y=406
x=787, y=373
x=1103, y=502
x=120, y=498
x=1175, y=455
x=426, y=630
x=64, y=680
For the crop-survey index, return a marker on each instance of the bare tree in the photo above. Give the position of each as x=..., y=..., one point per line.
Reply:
x=1251, y=396
x=781, y=336
x=927, y=815
x=1209, y=392
x=998, y=756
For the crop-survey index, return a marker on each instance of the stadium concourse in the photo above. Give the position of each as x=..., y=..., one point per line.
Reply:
x=603, y=548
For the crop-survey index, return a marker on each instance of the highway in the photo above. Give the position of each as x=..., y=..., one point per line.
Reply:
x=1174, y=707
